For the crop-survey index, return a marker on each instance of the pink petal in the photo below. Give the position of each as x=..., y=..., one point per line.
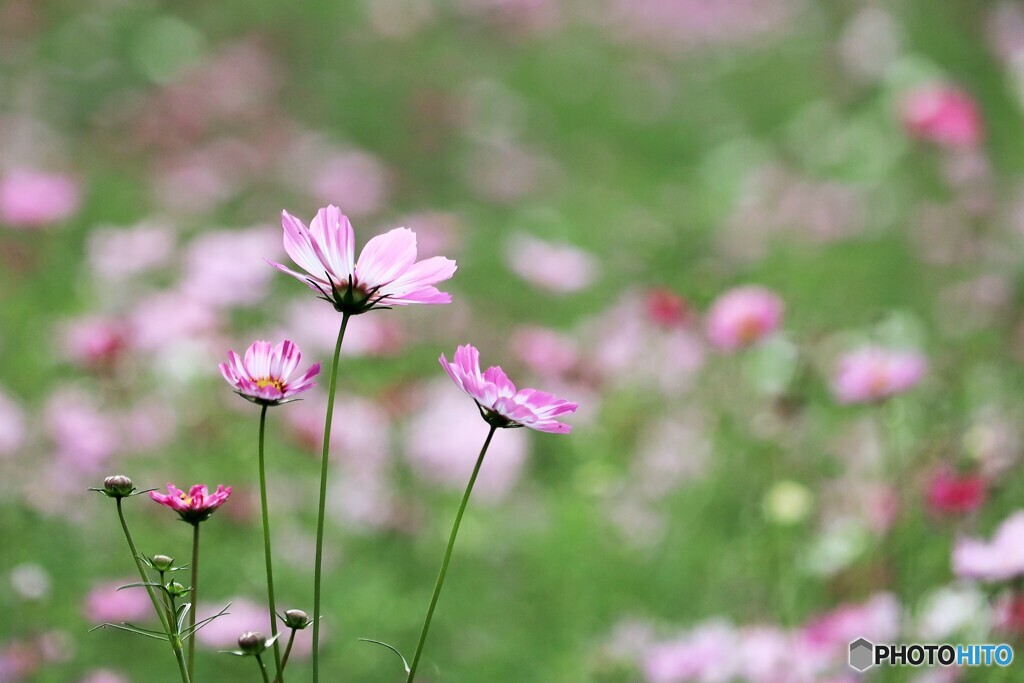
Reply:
x=333, y=234
x=386, y=257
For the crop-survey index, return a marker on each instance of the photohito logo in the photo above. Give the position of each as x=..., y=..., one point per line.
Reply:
x=864, y=654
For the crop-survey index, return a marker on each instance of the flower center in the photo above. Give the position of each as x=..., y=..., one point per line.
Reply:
x=187, y=499
x=270, y=382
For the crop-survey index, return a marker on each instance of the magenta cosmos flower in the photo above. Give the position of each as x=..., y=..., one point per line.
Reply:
x=743, y=316
x=873, y=374
x=386, y=274
x=195, y=506
x=265, y=376
x=500, y=403
x=943, y=115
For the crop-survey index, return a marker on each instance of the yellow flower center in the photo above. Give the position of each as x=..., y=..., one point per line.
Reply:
x=270, y=382
x=185, y=498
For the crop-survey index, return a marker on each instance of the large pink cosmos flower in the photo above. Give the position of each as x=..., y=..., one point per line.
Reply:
x=195, y=506
x=264, y=377
x=499, y=402
x=387, y=273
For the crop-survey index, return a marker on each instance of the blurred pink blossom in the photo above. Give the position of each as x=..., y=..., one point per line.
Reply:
x=34, y=199
x=12, y=425
x=557, y=267
x=356, y=181
x=443, y=439
x=148, y=323
x=951, y=493
x=227, y=267
x=94, y=341
x=104, y=603
x=118, y=254
x=1000, y=559
x=315, y=327
x=871, y=374
x=877, y=619
x=743, y=316
x=706, y=654
x=944, y=115
x=546, y=352
x=517, y=17
x=84, y=435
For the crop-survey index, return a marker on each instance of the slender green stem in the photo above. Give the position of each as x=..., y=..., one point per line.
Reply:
x=195, y=600
x=318, y=571
x=448, y=556
x=142, y=570
x=271, y=602
x=287, y=653
x=263, y=668
x=179, y=655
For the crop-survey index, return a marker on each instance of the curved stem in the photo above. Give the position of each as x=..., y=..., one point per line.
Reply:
x=195, y=600
x=448, y=556
x=263, y=669
x=179, y=655
x=142, y=569
x=318, y=571
x=271, y=602
x=287, y=653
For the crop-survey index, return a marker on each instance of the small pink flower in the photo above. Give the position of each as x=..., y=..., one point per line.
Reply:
x=666, y=308
x=1000, y=559
x=743, y=316
x=264, y=377
x=944, y=115
x=951, y=493
x=94, y=341
x=500, y=404
x=386, y=274
x=872, y=374
x=33, y=199
x=195, y=506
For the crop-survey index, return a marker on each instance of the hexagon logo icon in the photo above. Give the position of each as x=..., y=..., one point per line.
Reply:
x=862, y=654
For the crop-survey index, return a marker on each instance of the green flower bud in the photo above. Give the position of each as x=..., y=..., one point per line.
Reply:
x=296, y=619
x=176, y=590
x=118, y=486
x=252, y=642
x=162, y=563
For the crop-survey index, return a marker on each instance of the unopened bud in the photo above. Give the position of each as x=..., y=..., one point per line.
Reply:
x=162, y=563
x=252, y=642
x=296, y=619
x=118, y=486
x=176, y=590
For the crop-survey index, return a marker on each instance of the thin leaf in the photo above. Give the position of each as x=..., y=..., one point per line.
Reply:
x=189, y=632
x=141, y=585
x=390, y=647
x=123, y=626
x=183, y=611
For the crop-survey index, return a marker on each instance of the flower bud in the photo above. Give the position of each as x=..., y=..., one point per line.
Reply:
x=176, y=590
x=118, y=486
x=252, y=642
x=162, y=563
x=296, y=619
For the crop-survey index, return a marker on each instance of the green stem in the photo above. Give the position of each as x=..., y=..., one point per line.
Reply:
x=175, y=639
x=317, y=572
x=141, y=568
x=266, y=546
x=448, y=556
x=195, y=600
x=263, y=669
x=287, y=653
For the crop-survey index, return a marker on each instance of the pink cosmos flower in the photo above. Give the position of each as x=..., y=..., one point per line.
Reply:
x=33, y=199
x=499, y=402
x=743, y=316
x=1000, y=559
x=944, y=115
x=386, y=274
x=873, y=374
x=195, y=506
x=264, y=377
